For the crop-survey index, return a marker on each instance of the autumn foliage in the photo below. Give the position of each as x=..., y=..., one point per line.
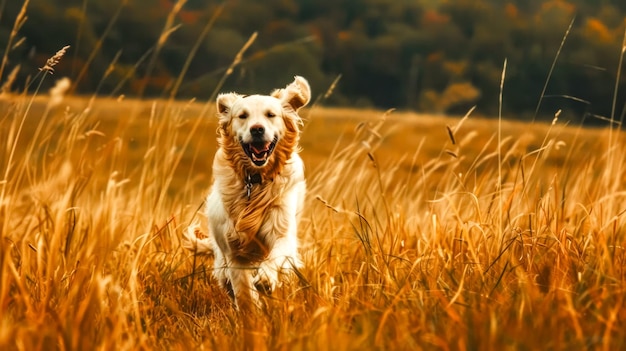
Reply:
x=388, y=53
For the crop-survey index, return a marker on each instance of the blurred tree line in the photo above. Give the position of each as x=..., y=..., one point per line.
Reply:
x=428, y=55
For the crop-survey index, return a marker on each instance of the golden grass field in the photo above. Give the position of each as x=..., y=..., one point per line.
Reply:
x=420, y=232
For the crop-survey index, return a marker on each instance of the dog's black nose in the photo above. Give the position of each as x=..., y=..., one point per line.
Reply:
x=257, y=130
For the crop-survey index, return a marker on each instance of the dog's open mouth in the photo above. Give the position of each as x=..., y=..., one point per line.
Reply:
x=259, y=152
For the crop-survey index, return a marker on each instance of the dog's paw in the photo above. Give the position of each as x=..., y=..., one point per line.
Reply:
x=266, y=278
x=273, y=272
x=195, y=240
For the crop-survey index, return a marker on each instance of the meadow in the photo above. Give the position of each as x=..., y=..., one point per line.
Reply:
x=419, y=232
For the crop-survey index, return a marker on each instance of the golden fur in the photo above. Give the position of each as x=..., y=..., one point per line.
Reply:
x=252, y=226
x=249, y=214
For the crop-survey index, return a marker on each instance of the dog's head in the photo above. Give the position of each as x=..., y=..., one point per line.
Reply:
x=261, y=124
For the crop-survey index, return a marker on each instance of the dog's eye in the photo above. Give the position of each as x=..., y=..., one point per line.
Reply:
x=243, y=115
x=270, y=114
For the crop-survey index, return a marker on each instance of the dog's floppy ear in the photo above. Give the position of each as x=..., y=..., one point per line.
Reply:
x=224, y=104
x=297, y=94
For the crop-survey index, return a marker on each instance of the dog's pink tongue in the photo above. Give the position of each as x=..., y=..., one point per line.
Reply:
x=258, y=151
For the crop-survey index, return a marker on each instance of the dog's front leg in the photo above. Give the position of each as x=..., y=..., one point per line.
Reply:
x=242, y=284
x=282, y=237
x=282, y=260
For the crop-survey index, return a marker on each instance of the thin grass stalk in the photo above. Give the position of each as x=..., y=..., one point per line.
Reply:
x=167, y=30
x=615, y=93
x=327, y=94
x=2, y=6
x=79, y=33
x=500, y=180
x=542, y=148
x=259, y=55
x=108, y=71
x=96, y=50
x=617, y=80
x=19, y=22
x=48, y=68
x=613, y=158
x=237, y=59
x=556, y=57
x=229, y=71
x=192, y=53
x=9, y=166
x=131, y=72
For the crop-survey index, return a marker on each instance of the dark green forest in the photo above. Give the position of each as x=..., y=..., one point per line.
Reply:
x=425, y=55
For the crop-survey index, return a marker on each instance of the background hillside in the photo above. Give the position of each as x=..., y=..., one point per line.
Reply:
x=426, y=55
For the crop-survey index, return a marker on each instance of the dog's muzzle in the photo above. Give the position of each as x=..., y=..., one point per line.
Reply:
x=259, y=151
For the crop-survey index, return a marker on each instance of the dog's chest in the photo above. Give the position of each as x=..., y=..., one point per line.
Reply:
x=254, y=221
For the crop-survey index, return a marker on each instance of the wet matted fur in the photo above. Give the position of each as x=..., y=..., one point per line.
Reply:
x=258, y=190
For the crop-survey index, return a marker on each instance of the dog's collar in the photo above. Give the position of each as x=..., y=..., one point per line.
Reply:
x=252, y=179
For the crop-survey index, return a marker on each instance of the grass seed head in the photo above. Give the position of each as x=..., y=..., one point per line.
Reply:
x=54, y=60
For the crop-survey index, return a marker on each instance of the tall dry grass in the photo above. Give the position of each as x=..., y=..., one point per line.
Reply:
x=411, y=238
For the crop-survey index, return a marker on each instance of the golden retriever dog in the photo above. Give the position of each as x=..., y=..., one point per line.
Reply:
x=257, y=194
